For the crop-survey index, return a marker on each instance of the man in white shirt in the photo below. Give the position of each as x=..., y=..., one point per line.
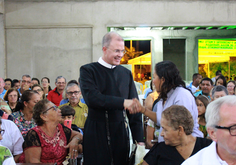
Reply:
x=12, y=138
x=194, y=86
x=221, y=126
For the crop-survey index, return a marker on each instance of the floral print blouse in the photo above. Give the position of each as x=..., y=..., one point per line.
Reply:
x=23, y=125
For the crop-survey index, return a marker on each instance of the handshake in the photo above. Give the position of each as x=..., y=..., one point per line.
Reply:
x=133, y=106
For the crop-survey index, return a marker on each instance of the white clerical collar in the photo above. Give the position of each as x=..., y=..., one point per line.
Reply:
x=103, y=63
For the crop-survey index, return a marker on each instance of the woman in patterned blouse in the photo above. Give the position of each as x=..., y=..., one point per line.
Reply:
x=23, y=115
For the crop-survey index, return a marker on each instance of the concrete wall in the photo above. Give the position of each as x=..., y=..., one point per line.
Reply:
x=48, y=19
x=2, y=40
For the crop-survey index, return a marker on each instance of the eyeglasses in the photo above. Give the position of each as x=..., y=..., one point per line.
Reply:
x=232, y=129
x=38, y=90
x=60, y=83
x=55, y=108
x=71, y=93
x=2, y=131
x=230, y=86
x=24, y=81
x=117, y=51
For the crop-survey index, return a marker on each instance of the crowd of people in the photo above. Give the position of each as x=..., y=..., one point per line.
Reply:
x=99, y=114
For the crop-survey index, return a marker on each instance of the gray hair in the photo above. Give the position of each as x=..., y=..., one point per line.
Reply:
x=71, y=85
x=59, y=77
x=212, y=114
x=106, y=40
x=65, y=89
x=26, y=75
x=219, y=88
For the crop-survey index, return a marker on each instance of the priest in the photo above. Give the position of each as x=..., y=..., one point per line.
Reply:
x=108, y=89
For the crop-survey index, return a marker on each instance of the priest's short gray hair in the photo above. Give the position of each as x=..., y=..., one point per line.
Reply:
x=106, y=40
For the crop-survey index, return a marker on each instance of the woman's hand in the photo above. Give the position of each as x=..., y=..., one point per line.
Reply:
x=74, y=146
x=136, y=107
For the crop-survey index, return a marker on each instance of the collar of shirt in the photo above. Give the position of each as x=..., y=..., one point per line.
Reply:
x=79, y=104
x=105, y=64
x=4, y=91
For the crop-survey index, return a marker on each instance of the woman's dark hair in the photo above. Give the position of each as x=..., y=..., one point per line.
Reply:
x=203, y=99
x=14, y=81
x=178, y=115
x=40, y=107
x=26, y=97
x=9, y=91
x=151, y=85
x=231, y=81
x=36, y=80
x=223, y=78
x=37, y=85
x=168, y=71
x=8, y=79
x=49, y=87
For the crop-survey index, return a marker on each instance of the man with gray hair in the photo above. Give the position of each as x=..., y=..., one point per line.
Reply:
x=55, y=95
x=108, y=89
x=219, y=91
x=25, y=83
x=73, y=94
x=221, y=127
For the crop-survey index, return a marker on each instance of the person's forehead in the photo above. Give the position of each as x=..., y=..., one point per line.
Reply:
x=230, y=83
x=1, y=79
x=220, y=93
x=73, y=88
x=206, y=82
x=116, y=40
x=45, y=79
x=26, y=78
x=227, y=115
x=61, y=80
x=36, y=87
x=13, y=92
x=50, y=104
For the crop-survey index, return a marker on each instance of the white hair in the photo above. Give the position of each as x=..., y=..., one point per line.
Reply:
x=212, y=114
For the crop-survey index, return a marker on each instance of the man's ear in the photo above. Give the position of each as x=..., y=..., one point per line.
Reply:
x=212, y=133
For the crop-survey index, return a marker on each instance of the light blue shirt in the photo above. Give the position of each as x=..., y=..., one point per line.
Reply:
x=3, y=93
x=146, y=93
x=67, y=100
x=179, y=96
x=196, y=94
x=21, y=93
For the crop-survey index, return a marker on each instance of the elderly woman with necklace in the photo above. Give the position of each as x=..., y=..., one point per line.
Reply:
x=49, y=140
x=177, y=123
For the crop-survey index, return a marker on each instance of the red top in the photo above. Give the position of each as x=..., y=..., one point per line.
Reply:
x=53, y=150
x=54, y=97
